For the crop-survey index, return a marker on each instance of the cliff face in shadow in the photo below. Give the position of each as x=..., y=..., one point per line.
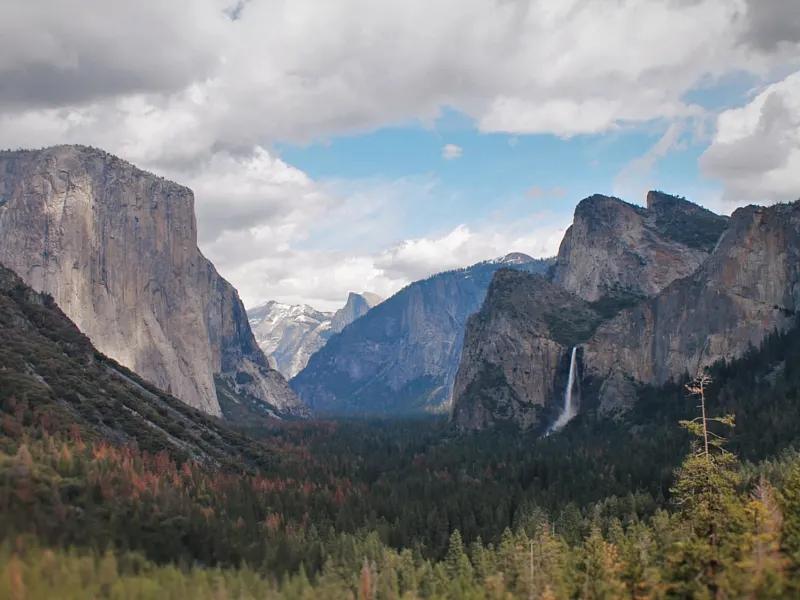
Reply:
x=517, y=352
x=402, y=355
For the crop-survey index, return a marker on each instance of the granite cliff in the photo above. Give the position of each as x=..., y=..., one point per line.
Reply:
x=290, y=333
x=402, y=356
x=517, y=352
x=749, y=286
x=673, y=288
x=614, y=248
x=116, y=247
x=357, y=306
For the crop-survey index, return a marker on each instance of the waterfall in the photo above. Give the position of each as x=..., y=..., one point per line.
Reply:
x=569, y=410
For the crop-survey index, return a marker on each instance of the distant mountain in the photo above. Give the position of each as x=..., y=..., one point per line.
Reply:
x=357, y=305
x=290, y=333
x=402, y=356
x=117, y=249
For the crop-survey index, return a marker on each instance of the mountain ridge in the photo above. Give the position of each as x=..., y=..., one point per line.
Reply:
x=660, y=323
x=402, y=356
x=290, y=333
x=614, y=248
x=49, y=367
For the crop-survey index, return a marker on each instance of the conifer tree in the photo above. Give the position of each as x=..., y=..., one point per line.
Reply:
x=709, y=507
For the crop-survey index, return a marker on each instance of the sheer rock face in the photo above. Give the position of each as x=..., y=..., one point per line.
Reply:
x=517, y=351
x=616, y=248
x=700, y=296
x=117, y=249
x=749, y=286
x=357, y=306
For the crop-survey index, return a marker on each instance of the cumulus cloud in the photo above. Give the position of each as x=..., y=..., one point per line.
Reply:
x=240, y=194
x=771, y=24
x=451, y=151
x=418, y=258
x=200, y=90
x=55, y=52
x=755, y=151
x=634, y=179
x=323, y=278
x=297, y=71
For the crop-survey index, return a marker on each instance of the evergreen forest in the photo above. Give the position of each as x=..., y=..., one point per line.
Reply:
x=118, y=491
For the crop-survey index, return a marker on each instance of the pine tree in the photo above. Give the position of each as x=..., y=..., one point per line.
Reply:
x=457, y=567
x=789, y=501
x=763, y=567
x=602, y=569
x=709, y=507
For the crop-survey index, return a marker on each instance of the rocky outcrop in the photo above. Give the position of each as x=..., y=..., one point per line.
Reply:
x=401, y=356
x=749, y=286
x=516, y=355
x=617, y=249
x=357, y=306
x=290, y=333
x=117, y=249
x=698, y=297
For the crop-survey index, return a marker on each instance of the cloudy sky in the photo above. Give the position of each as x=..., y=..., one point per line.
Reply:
x=362, y=144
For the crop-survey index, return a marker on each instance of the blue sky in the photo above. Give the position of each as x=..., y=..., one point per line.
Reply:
x=507, y=176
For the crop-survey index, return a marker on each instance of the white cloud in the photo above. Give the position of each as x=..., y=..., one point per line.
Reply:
x=451, y=151
x=299, y=70
x=182, y=89
x=419, y=258
x=236, y=195
x=324, y=278
x=634, y=180
x=755, y=151
x=56, y=52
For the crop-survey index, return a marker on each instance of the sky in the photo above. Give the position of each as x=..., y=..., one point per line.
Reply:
x=359, y=145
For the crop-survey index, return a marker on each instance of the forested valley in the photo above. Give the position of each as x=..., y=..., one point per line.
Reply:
x=635, y=507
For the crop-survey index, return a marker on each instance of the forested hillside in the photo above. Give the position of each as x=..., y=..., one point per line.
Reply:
x=106, y=486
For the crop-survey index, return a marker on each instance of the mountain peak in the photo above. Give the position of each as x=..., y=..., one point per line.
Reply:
x=356, y=306
x=371, y=298
x=290, y=333
x=402, y=356
x=515, y=258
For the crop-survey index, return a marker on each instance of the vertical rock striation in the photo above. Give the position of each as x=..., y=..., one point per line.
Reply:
x=117, y=249
x=699, y=288
x=749, y=286
x=357, y=306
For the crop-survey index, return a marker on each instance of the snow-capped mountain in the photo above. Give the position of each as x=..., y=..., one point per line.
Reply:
x=290, y=333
